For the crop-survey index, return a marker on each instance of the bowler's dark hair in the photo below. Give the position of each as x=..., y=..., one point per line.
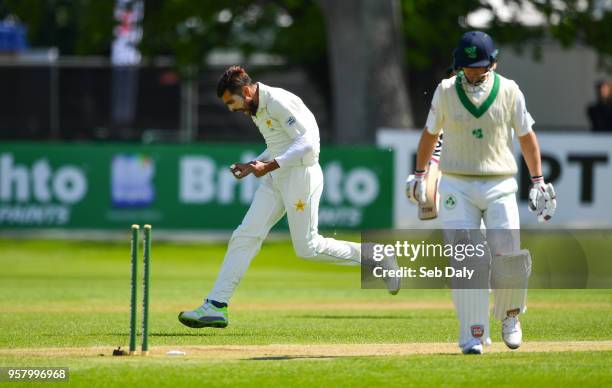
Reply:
x=233, y=79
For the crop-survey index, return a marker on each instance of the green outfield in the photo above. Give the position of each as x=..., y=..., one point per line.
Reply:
x=292, y=322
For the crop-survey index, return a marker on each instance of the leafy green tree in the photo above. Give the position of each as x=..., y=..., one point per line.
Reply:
x=368, y=84
x=347, y=48
x=431, y=30
x=75, y=27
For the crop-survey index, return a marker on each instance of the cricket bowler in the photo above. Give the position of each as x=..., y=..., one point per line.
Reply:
x=291, y=182
x=480, y=112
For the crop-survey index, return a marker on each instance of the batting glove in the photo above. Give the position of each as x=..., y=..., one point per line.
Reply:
x=416, y=189
x=542, y=199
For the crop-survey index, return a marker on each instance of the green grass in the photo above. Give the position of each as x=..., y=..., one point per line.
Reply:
x=76, y=294
x=510, y=369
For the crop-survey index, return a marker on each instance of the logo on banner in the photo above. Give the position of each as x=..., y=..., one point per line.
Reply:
x=38, y=192
x=132, y=180
x=348, y=193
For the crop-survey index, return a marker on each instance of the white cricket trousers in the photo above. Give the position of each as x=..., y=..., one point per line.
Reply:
x=295, y=191
x=464, y=203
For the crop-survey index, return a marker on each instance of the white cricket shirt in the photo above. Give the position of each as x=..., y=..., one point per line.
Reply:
x=289, y=128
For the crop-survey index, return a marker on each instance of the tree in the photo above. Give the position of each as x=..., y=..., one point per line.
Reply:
x=366, y=65
x=189, y=30
x=376, y=60
x=431, y=31
x=79, y=27
x=364, y=49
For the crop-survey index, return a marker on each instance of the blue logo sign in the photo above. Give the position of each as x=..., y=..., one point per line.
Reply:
x=132, y=181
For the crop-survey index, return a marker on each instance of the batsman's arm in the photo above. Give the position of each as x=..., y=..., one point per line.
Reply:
x=542, y=196
x=426, y=147
x=432, y=134
x=523, y=127
x=531, y=152
x=438, y=150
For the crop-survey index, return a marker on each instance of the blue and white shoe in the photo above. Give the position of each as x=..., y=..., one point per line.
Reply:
x=206, y=315
x=474, y=346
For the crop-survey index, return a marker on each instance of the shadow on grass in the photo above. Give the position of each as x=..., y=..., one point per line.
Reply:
x=200, y=334
x=351, y=317
x=126, y=334
x=324, y=357
x=282, y=358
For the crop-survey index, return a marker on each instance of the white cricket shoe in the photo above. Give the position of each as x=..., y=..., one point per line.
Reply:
x=393, y=283
x=474, y=346
x=511, y=331
x=389, y=262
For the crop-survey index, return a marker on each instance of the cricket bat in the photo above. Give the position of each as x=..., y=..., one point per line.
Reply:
x=429, y=209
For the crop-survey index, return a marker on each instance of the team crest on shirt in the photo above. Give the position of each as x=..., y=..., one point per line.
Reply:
x=269, y=123
x=299, y=206
x=450, y=202
x=291, y=121
x=477, y=133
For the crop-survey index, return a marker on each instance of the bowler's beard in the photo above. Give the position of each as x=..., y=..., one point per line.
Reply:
x=252, y=106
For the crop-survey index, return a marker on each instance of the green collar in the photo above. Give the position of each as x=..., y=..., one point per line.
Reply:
x=467, y=103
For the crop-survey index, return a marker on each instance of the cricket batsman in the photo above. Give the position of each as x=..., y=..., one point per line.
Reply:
x=291, y=182
x=480, y=112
